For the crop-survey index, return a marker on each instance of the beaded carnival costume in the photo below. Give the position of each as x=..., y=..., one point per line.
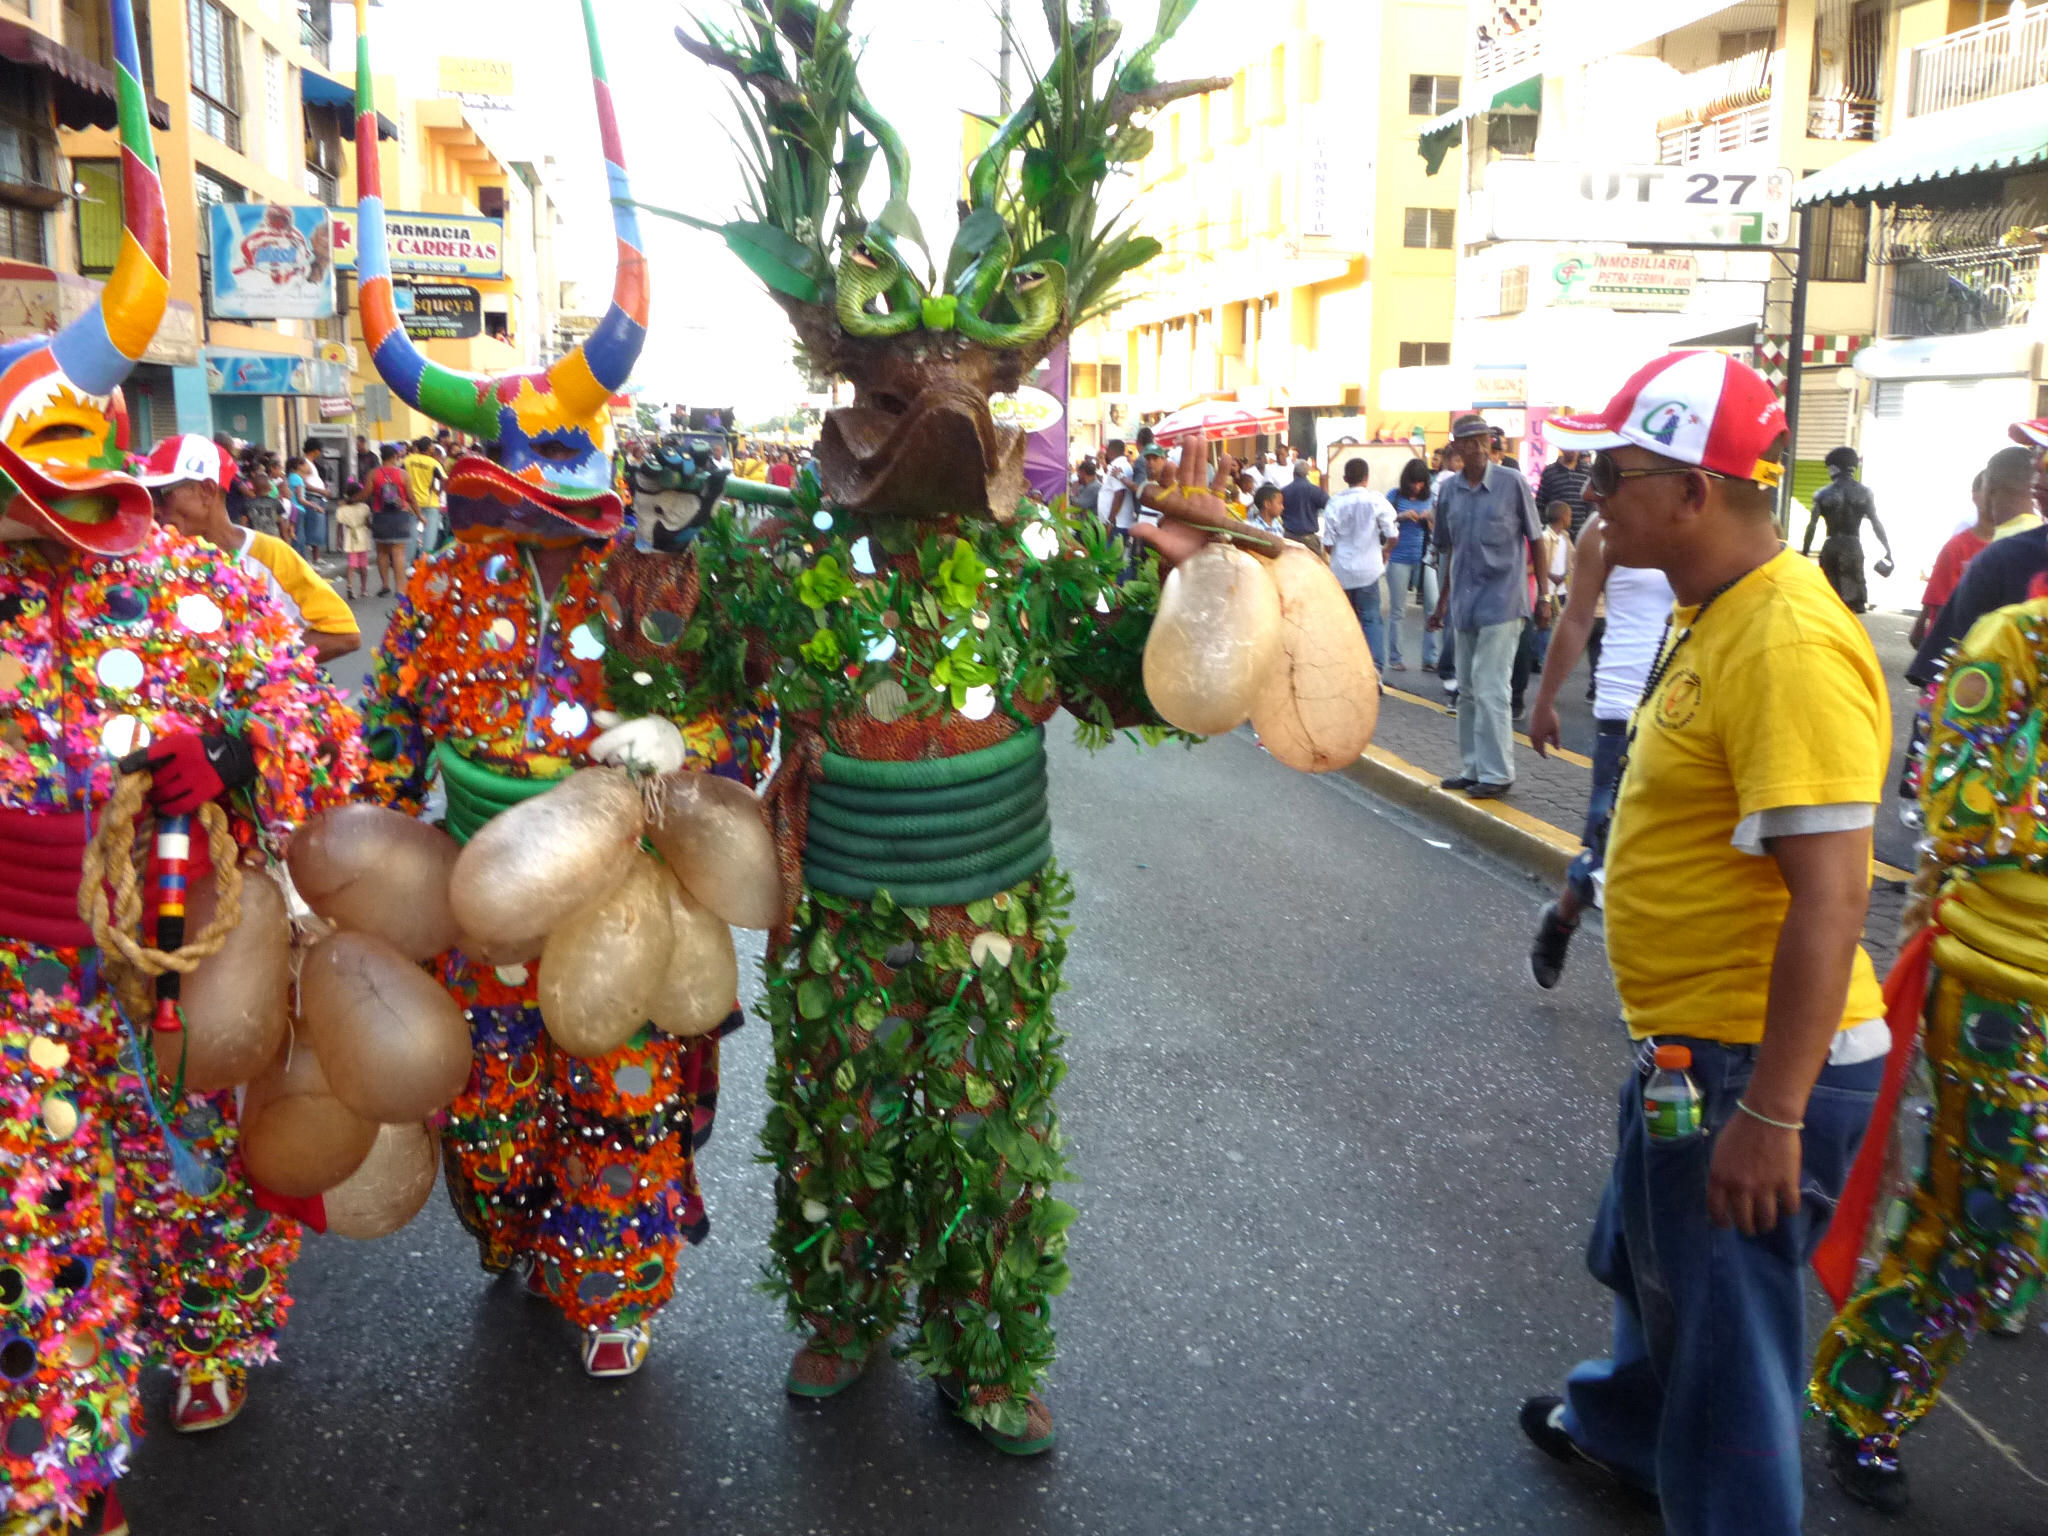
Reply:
x=130, y=1232
x=1961, y=1244
x=578, y=1174
x=919, y=622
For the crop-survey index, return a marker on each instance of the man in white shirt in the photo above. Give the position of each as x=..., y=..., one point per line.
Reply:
x=1118, y=500
x=1358, y=529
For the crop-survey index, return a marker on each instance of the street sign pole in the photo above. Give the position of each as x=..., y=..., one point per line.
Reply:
x=1795, y=351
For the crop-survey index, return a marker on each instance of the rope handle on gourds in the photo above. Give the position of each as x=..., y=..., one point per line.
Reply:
x=111, y=854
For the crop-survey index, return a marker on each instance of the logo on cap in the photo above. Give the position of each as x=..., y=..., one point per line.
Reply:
x=1663, y=420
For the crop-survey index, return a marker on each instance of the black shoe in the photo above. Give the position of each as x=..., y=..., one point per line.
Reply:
x=1456, y=781
x=1553, y=939
x=1542, y=1420
x=1878, y=1482
x=1486, y=791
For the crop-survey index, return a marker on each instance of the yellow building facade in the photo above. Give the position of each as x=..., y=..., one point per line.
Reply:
x=1302, y=254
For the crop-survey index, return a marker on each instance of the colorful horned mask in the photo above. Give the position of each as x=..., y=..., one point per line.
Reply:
x=63, y=426
x=546, y=468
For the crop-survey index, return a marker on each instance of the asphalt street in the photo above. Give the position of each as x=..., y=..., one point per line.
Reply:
x=1336, y=1161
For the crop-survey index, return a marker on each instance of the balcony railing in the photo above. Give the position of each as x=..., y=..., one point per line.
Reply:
x=1852, y=118
x=1993, y=58
x=1728, y=134
x=315, y=34
x=1498, y=61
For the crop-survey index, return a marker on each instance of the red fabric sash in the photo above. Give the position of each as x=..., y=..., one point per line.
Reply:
x=1905, y=994
x=42, y=855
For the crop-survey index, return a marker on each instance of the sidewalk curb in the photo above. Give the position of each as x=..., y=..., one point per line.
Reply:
x=1535, y=847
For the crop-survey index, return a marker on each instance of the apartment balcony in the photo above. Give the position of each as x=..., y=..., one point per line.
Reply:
x=1963, y=292
x=1993, y=58
x=1506, y=58
x=1728, y=133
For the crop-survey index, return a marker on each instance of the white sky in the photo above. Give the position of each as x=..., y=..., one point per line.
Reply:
x=716, y=337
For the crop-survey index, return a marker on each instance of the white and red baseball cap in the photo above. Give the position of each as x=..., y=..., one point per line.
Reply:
x=2030, y=434
x=1702, y=408
x=187, y=456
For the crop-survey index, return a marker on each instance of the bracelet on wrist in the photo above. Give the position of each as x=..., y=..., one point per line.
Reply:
x=1776, y=1125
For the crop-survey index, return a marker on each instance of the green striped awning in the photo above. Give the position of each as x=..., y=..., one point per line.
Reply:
x=2002, y=134
x=1440, y=135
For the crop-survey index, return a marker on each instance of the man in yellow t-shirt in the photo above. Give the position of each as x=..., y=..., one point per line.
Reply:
x=186, y=475
x=427, y=475
x=1737, y=882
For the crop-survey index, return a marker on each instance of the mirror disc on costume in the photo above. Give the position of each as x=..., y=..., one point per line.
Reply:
x=123, y=734
x=586, y=642
x=127, y=605
x=74, y=1274
x=119, y=670
x=13, y=672
x=887, y=701
x=980, y=702
x=633, y=1080
x=47, y=976
x=254, y=1282
x=1995, y=1132
x=822, y=520
x=882, y=648
x=60, y=1116
x=597, y=1287
x=1862, y=1377
x=662, y=627
x=567, y=719
x=24, y=1435
x=525, y=1071
x=12, y=1287
x=1972, y=689
x=1986, y=1213
x=17, y=1358
x=1991, y=1032
x=512, y=975
x=501, y=569
x=648, y=1272
x=618, y=1181
x=1956, y=1278
x=82, y=1349
x=863, y=556
x=1040, y=541
x=499, y=635
x=1895, y=1313
x=47, y=1055
x=200, y=613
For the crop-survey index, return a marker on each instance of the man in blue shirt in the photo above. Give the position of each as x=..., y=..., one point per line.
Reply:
x=1486, y=525
x=1301, y=508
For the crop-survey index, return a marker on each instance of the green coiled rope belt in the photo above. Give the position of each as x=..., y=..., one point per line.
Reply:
x=936, y=833
x=477, y=793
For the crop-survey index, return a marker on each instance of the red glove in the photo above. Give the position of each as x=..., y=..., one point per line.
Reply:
x=190, y=769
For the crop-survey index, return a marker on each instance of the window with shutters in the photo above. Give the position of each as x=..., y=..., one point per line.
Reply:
x=1431, y=95
x=1428, y=229
x=21, y=234
x=99, y=215
x=1425, y=354
x=1514, y=290
x=1841, y=242
x=216, y=88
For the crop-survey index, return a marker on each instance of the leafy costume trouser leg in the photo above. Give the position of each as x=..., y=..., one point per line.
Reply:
x=587, y=1166
x=914, y=1135
x=1971, y=1236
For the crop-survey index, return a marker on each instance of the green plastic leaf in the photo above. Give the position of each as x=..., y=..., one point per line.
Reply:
x=980, y=1092
x=772, y=255
x=824, y=957
x=814, y=997
x=843, y=1078
x=978, y=234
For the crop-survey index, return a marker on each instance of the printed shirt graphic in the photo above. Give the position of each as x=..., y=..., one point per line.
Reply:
x=1775, y=701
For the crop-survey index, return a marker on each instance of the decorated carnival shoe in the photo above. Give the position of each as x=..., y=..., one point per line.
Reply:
x=103, y=1517
x=619, y=1350
x=1867, y=1476
x=815, y=1371
x=1033, y=1436
x=525, y=1273
x=208, y=1397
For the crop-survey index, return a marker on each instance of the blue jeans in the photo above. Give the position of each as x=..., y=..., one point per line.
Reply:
x=1402, y=578
x=1702, y=1398
x=1486, y=726
x=1365, y=602
x=1608, y=749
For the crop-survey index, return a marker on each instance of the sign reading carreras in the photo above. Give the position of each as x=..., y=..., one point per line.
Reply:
x=445, y=244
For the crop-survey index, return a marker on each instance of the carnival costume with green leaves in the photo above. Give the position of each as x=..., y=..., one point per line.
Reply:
x=1955, y=1232
x=917, y=622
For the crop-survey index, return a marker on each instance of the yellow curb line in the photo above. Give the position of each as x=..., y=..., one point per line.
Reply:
x=1415, y=698
x=1533, y=843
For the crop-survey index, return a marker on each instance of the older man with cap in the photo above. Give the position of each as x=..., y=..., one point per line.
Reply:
x=1738, y=875
x=1486, y=520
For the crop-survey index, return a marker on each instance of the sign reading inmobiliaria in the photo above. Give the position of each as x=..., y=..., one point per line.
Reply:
x=445, y=244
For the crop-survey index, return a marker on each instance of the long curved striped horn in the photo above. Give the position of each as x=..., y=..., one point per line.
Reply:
x=599, y=368
x=97, y=350
x=465, y=401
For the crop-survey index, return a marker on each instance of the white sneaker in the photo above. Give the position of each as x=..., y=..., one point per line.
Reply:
x=618, y=1351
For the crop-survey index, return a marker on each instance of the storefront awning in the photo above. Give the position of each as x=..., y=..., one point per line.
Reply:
x=318, y=90
x=84, y=89
x=1440, y=134
x=2003, y=134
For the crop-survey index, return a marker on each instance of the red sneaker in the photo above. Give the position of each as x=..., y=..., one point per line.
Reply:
x=616, y=1351
x=104, y=1516
x=208, y=1397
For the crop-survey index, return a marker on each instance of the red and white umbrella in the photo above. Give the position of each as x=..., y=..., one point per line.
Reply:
x=1213, y=419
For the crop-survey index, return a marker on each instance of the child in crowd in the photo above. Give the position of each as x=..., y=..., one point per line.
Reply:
x=353, y=518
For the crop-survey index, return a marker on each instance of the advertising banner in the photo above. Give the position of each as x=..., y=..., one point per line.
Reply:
x=271, y=373
x=270, y=262
x=1626, y=279
x=1040, y=408
x=444, y=244
x=441, y=311
x=1734, y=204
